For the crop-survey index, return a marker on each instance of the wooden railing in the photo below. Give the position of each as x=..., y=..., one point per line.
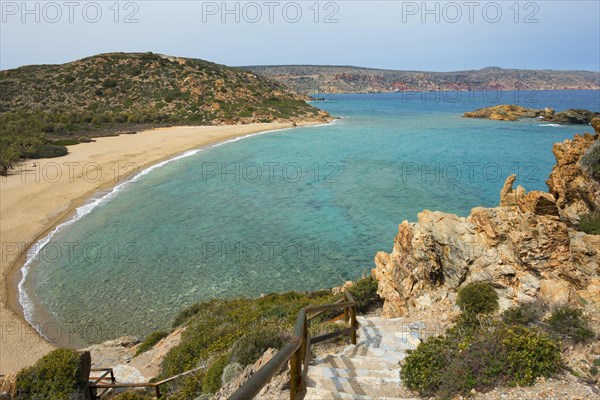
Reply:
x=297, y=351
x=96, y=383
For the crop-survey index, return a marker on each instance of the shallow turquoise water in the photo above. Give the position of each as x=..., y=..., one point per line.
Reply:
x=292, y=210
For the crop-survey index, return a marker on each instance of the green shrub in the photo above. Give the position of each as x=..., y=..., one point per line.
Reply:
x=189, y=387
x=252, y=346
x=530, y=354
x=65, y=142
x=477, y=298
x=230, y=372
x=590, y=223
x=495, y=355
x=364, y=292
x=56, y=376
x=525, y=314
x=150, y=341
x=423, y=368
x=567, y=322
x=212, y=379
x=591, y=161
x=48, y=151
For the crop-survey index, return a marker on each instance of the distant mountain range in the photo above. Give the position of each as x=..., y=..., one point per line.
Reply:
x=314, y=79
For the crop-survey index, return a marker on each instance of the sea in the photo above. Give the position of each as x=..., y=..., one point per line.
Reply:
x=297, y=209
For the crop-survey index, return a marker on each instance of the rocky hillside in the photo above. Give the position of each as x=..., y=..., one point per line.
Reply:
x=527, y=247
x=140, y=88
x=312, y=79
x=512, y=112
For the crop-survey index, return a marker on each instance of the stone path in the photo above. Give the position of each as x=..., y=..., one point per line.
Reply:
x=368, y=370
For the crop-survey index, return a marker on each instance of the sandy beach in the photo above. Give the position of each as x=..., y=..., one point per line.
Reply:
x=34, y=199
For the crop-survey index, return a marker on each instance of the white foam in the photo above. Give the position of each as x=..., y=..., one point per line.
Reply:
x=553, y=125
x=80, y=212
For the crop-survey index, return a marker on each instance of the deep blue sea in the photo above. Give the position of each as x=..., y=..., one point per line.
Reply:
x=298, y=209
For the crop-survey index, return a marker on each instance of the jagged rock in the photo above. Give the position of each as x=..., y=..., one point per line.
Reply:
x=539, y=203
x=512, y=112
x=596, y=125
x=523, y=247
x=8, y=386
x=571, y=186
x=506, y=112
x=574, y=116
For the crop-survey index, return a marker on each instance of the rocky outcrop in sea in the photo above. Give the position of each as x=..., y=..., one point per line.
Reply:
x=528, y=247
x=511, y=112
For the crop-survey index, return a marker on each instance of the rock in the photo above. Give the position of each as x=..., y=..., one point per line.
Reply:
x=596, y=125
x=524, y=247
x=506, y=112
x=8, y=386
x=571, y=186
x=512, y=112
x=539, y=203
x=575, y=116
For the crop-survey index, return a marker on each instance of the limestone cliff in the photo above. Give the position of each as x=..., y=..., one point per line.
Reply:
x=512, y=112
x=526, y=247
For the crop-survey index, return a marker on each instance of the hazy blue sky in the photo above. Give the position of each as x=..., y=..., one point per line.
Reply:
x=383, y=34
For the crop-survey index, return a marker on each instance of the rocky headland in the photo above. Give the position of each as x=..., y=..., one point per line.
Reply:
x=528, y=247
x=512, y=112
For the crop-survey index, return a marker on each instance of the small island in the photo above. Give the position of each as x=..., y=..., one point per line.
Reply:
x=512, y=112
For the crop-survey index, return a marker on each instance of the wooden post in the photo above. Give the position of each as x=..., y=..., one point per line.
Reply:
x=295, y=375
x=157, y=388
x=346, y=315
x=353, y=323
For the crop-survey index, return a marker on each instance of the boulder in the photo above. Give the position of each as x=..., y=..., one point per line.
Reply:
x=575, y=116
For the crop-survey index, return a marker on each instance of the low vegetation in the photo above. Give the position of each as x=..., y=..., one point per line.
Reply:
x=590, y=223
x=482, y=350
x=150, y=341
x=591, y=161
x=56, y=376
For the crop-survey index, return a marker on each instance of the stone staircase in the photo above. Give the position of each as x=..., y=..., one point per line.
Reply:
x=368, y=370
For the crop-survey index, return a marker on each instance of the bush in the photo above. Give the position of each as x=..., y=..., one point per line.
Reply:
x=530, y=354
x=423, y=368
x=230, y=372
x=497, y=354
x=48, y=151
x=364, y=292
x=591, y=161
x=65, y=142
x=212, y=379
x=252, y=346
x=150, y=341
x=56, y=376
x=567, y=323
x=590, y=223
x=477, y=298
x=525, y=314
x=190, y=387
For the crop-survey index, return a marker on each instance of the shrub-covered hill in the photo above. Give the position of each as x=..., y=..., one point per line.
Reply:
x=44, y=107
x=140, y=88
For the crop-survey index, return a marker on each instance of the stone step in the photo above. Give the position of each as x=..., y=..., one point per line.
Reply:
x=319, y=394
x=347, y=362
x=397, y=345
x=330, y=372
x=363, y=386
x=366, y=350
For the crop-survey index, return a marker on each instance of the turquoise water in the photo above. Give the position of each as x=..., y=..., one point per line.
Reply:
x=299, y=209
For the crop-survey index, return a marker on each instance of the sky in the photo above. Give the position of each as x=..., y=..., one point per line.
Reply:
x=405, y=35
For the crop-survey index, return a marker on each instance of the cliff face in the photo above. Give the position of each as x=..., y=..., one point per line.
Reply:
x=526, y=247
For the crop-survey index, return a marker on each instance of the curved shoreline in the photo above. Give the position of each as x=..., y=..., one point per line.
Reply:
x=29, y=344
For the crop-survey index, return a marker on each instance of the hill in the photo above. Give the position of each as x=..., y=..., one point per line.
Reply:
x=312, y=79
x=45, y=106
